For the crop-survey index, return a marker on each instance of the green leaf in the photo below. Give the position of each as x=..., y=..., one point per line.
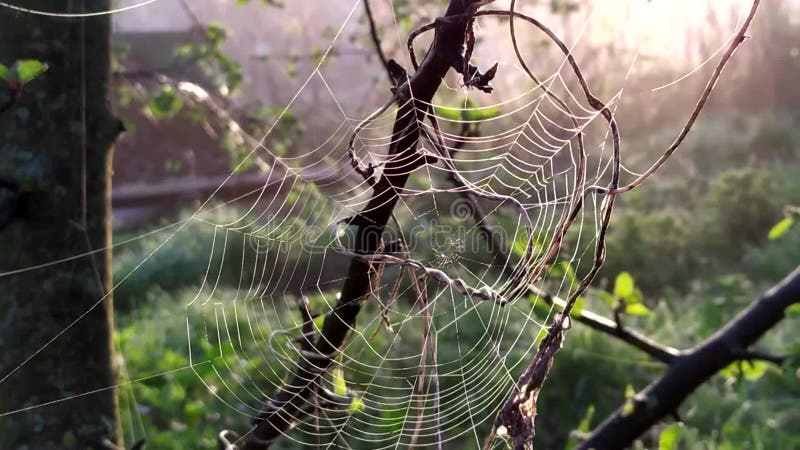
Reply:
x=165, y=104
x=629, y=392
x=448, y=113
x=470, y=112
x=28, y=69
x=629, y=406
x=339, y=383
x=540, y=337
x=607, y=298
x=23, y=71
x=793, y=311
x=216, y=34
x=635, y=297
x=580, y=304
x=586, y=422
x=623, y=285
x=356, y=405
x=780, y=228
x=637, y=309
x=480, y=114
x=318, y=321
x=753, y=370
x=750, y=370
x=669, y=438
x=731, y=371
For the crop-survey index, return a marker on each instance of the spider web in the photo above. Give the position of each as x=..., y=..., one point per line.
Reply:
x=426, y=364
x=391, y=384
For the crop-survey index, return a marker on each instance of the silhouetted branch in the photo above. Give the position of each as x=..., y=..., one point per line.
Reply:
x=376, y=39
x=695, y=367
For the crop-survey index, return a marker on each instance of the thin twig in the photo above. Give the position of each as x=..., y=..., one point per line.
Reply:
x=660, y=352
x=741, y=35
x=484, y=293
x=373, y=31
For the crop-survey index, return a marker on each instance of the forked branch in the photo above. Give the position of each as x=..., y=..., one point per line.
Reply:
x=694, y=368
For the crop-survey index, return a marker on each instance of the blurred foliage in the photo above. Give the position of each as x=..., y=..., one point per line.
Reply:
x=22, y=72
x=686, y=252
x=678, y=272
x=216, y=78
x=165, y=103
x=209, y=55
x=677, y=229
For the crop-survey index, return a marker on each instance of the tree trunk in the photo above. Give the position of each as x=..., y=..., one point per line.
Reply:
x=55, y=155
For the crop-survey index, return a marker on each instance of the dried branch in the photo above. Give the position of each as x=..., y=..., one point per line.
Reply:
x=288, y=402
x=695, y=367
x=612, y=328
x=610, y=190
x=428, y=347
x=516, y=419
x=484, y=293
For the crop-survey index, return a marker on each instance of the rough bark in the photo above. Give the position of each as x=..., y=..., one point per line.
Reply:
x=55, y=153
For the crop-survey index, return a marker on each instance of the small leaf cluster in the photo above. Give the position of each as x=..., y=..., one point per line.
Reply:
x=212, y=59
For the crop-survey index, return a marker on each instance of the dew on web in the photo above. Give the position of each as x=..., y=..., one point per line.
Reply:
x=501, y=203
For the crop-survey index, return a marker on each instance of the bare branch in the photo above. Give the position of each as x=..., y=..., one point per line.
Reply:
x=373, y=31
x=695, y=367
x=484, y=293
x=595, y=321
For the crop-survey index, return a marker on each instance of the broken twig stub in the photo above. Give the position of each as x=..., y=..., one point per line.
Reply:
x=515, y=421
